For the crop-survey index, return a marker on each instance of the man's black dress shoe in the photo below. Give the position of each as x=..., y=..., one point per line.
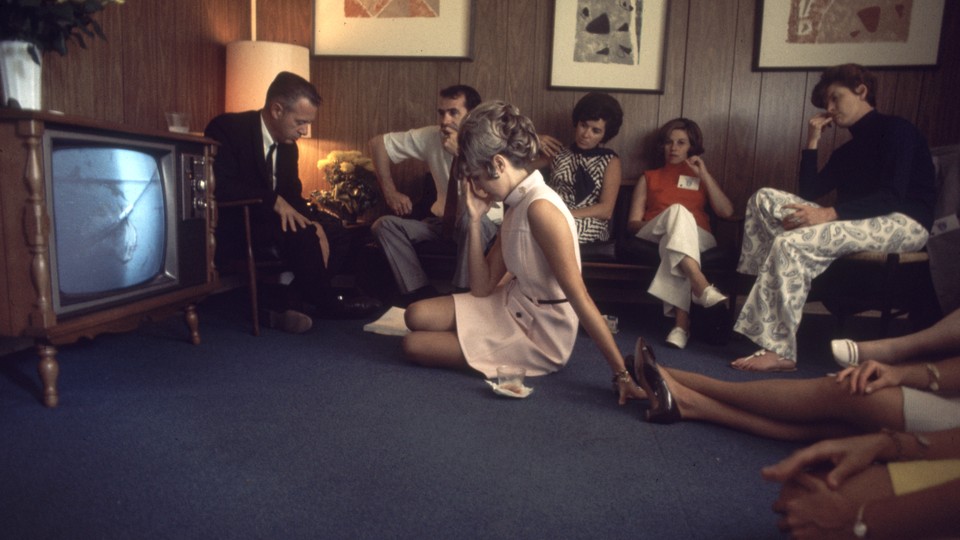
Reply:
x=349, y=307
x=291, y=320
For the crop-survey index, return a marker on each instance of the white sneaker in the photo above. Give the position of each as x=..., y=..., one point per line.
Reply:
x=678, y=337
x=711, y=296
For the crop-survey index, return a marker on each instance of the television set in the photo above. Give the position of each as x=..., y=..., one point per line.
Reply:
x=103, y=225
x=125, y=211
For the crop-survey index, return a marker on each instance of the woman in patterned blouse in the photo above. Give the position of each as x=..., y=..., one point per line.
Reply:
x=585, y=174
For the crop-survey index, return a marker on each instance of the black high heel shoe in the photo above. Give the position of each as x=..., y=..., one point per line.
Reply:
x=652, y=382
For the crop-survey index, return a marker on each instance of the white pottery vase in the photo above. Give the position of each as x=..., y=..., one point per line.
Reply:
x=20, y=75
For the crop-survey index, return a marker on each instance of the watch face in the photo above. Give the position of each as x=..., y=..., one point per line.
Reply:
x=860, y=529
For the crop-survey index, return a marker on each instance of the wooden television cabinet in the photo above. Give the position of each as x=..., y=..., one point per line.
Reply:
x=28, y=299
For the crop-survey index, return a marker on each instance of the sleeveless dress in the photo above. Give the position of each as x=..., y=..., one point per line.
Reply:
x=577, y=175
x=525, y=322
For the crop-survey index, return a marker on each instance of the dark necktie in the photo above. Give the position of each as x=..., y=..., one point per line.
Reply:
x=449, y=219
x=270, y=167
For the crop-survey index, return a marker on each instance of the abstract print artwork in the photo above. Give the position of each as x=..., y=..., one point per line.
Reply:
x=807, y=34
x=609, y=44
x=608, y=31
x=435, y=29
x=849, y=21
x=391, y=8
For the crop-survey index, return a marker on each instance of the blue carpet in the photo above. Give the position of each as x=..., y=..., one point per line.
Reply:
x=330, y=434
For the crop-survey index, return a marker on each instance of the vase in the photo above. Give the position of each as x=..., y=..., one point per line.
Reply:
x=20, y=74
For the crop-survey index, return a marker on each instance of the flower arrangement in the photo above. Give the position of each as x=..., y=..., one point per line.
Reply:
x=353, y=184
x=49, y=24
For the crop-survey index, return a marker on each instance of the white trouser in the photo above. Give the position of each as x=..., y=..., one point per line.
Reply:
x=785, y=262
x=676, y=233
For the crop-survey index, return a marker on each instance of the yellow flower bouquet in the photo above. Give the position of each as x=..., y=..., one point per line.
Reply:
x=353, y=185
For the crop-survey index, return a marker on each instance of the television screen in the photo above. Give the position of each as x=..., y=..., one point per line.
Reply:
x=110, y=221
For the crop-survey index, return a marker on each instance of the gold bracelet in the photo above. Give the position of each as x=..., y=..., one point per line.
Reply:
x=893, y=437
x=923, y=443
x=934, y=374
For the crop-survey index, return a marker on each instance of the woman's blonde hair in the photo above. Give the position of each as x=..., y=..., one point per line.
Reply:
x=495, y=128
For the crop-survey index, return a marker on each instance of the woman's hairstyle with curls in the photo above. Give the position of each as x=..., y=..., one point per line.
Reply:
x=495, y=127
x=600, y=106
x=850, y=76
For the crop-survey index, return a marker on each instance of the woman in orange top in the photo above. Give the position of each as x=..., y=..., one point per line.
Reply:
x=669, y=209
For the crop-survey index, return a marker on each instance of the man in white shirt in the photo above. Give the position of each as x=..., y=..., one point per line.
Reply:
x=398, y=233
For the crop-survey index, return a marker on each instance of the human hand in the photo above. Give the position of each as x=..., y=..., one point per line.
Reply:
x=870, y=376
x=849, y=456
x=477, y=200
x=810, y=509
x=804, y=215
x=815, y=127
x=448, y=132
x=289, y=217
x=550, y=146
x=698, y=166
x=398, y=203
x=324, y=243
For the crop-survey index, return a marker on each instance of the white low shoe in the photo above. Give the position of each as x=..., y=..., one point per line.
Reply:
x=711, y=296
x=845, y=352
x=678, y=337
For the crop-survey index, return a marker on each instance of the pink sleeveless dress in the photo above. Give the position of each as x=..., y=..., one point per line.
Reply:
x=525, y=322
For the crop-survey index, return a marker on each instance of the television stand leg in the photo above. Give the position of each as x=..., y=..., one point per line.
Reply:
x=193, y=323
x=49, y=371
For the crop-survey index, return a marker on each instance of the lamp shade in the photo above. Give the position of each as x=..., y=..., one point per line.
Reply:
x=252, y=66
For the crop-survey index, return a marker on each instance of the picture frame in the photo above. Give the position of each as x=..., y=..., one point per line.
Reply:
x=446, y=36
x=624, y=52
x=872, y=33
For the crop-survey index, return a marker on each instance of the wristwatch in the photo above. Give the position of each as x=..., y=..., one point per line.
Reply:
x=859, y=527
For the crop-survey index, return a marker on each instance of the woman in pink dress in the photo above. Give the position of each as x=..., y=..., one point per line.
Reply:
x=527, y=297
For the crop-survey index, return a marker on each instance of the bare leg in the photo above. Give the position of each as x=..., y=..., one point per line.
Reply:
x=940, y=340
x=433, y=341
x=681, y=318
x=804, y=401
x=695, y=405
x=698, y=281
x=432, y=314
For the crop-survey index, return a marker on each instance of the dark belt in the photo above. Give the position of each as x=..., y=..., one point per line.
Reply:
x=546, y=302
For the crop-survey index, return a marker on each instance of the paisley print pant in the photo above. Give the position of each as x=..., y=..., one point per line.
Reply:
x=785, y=262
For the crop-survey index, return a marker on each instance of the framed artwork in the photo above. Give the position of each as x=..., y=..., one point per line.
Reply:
x=422, y=29
x=809, y=34
x=609, y=44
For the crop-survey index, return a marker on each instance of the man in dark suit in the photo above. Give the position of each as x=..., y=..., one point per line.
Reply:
x=258, y=159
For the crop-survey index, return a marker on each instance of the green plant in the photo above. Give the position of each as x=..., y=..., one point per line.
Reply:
x=353, y=184
x=50, y=24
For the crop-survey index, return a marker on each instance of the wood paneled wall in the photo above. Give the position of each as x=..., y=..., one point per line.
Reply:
x=169, y=54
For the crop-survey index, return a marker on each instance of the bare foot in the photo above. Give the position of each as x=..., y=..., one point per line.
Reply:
x=765, y=361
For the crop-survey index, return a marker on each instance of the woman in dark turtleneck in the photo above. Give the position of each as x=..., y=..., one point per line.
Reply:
x=585, y=174
x=884, y=182
x=669, y=209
